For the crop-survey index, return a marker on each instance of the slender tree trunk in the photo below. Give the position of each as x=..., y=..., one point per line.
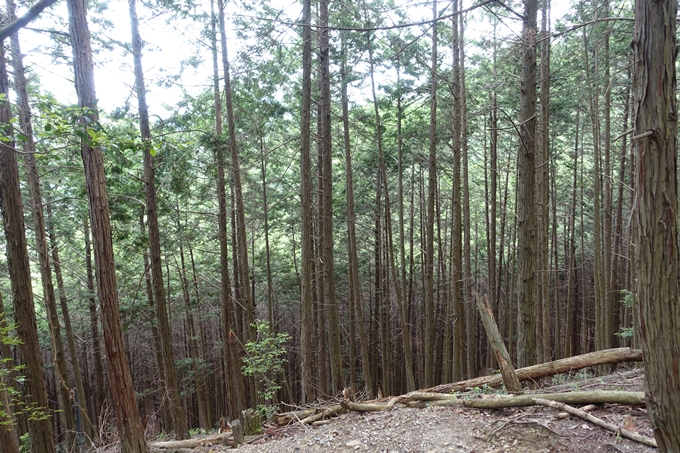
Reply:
x=656, y=208
x=122, y=390
x=390, y=251
x=429, y=232
x=40, y=428
x=234, y=389
x=82, y=405
x=337, y=379
x=179, y=421
x=459, y=345
x=543, y=190
x=99, y=394
x=526, y=234
x=470, y=312
x=49, y=295
x=306, y=215
x=355, y=285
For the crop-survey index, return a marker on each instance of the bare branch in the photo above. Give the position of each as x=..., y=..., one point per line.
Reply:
x=21, y=22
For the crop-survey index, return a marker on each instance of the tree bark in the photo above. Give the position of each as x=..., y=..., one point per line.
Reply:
x=122, y=390
x=548, y=369
x=8, y=435
x=40, y=428
x=306, y=214
x=526, y=234
x=428, y=302
x=235, y=392
x=49, y=295
x=179, y=421
x=655, y=217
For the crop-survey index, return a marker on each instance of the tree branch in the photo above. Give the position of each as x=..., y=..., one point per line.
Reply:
x=21, y=22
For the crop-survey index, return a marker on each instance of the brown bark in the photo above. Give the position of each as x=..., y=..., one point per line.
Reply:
x=122, y=390
x=234, y=390
x=655, y=217
x=548, y=369
x=428, y=270
x=99, y=394
x=40, y=429
x=89, y=428
x=306, y=214
x=179, y=421
x=526, y=234
x=504, y=362
x=391, y=251
x=356, y=302
x=49, y=295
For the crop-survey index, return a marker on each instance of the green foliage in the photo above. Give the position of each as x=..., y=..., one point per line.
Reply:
x=7, y=371
x=264, y=360
x=628, y=300
x=25, y=441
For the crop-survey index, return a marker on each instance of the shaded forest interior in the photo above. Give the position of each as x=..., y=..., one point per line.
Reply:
x=332, y=203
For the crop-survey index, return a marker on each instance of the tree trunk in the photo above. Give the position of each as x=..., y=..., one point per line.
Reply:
x=40, y=428
x=179, y=421
x=306, y=215
x=122, y=390
x=355, y=286
x=99, y=394
x=82, y=405
x=49, y=296
x=526, y=234
x=428, y=270
x=235, y=392
x=656, y=208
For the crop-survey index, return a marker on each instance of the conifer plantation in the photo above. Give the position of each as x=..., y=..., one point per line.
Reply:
x=292, y=199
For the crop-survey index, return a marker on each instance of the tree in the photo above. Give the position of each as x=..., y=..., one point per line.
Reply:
x=526, y=338
x=656, y=207
x=40, y=426
x=178, y=420
x=122, y=390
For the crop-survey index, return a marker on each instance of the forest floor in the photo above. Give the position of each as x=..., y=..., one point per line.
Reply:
x=533, y=429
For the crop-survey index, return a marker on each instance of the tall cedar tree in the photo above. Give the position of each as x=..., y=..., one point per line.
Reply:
x=526, y=333
x=122, y=390
x=656, y=204
x=39, y=428
x=179, y=422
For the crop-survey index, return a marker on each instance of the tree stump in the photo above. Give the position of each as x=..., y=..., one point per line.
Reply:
x=237, y=432
x=252, y=423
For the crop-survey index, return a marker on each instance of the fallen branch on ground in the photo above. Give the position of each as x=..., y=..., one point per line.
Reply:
x=192, y=443
x=578, y=362
x=598, y=421
x=370, y=407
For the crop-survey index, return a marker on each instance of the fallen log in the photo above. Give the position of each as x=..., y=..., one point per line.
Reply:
x=578, y=362
x=369, y=407
x=591, y=397
x=287, y=417
x=193, y=442
x=502, y=357
x=322, y=414
x=598, y=421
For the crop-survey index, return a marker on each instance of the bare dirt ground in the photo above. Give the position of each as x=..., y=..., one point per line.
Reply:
x=461, y=429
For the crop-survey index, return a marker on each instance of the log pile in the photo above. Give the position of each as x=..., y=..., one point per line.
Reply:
x=443, y=395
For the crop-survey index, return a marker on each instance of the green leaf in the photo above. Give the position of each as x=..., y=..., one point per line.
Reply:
x=152, y=150
x=48, y=127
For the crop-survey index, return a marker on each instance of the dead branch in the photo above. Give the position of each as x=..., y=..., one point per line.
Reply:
x=593, y=397
x=192, y=443
x=370, y=407
x=598, y=421
x=578, y=362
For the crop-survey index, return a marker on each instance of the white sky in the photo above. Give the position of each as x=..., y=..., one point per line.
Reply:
x=167, y=44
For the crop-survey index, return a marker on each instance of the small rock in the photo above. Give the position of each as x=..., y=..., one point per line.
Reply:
x=353, y=443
